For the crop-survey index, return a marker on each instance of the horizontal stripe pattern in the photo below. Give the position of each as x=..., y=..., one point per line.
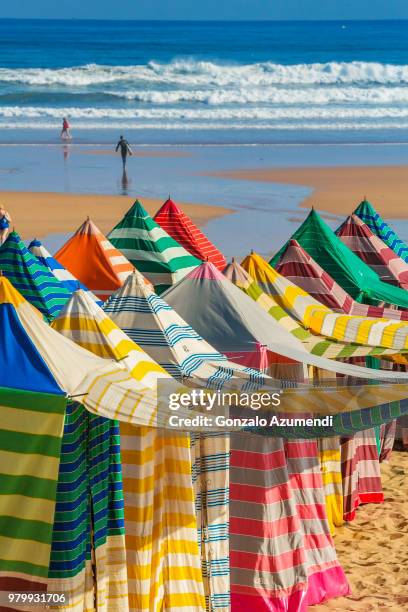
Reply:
x=93, y=260
x=179, y=226
x=321, y=319
x=150, y=249
x=367, y=213
x=31, y=278
x=301, y=269
x=355, y=234
x=163, y=561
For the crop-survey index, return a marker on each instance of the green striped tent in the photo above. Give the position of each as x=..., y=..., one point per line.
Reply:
x=150, y=249
x=31, y=278
x=39, y=368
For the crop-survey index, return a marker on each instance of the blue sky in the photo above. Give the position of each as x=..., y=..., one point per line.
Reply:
x=206, y=9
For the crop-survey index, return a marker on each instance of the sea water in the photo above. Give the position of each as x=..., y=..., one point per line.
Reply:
x=219, y=82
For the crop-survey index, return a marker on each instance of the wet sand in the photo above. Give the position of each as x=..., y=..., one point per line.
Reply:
x=338, y=190
x=37, y=214
x=373, y=549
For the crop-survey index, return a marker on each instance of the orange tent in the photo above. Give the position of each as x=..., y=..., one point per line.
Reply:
x=93, y=260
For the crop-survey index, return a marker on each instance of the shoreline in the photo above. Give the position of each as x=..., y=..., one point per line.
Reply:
x=339, y=189
x=38, y=214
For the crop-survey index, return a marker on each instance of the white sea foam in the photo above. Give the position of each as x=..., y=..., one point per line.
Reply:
x=194, y=73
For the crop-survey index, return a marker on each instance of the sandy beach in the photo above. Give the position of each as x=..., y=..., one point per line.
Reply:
x=339, y=189
x=37, y=214
x=373, y=549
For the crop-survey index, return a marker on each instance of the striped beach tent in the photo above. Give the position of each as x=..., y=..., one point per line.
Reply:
x=88, y=553
x=31, y=278
x=150, y=249
x=94, y=261
x=315, y=343
x=39, y=370
x=300, y=268
x=37, y=249
x=321, y=319
x=179, y=226
x=326, y=578
x=361, y=474
x=373, y=251
x=355, y=276
x=161, y=529
x=380, y=228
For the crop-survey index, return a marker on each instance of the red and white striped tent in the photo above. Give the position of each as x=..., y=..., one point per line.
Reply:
x=281, y=553
x=373, y=251
x=180, y=227
x=300, y=268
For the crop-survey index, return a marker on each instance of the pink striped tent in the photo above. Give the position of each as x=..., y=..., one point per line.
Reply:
x=326, y=578
x=180, y=227
x=360, y=471
x=300, y=268
x=373, y=251
x=281, y=552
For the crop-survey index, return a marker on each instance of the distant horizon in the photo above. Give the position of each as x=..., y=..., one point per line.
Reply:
x=192, y=20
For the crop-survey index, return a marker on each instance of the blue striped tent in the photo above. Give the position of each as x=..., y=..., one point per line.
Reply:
x=31, y=278
x=37, y=249
x=380, y=228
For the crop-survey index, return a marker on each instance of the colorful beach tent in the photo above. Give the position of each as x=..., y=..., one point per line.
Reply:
x=94, y=261
x=148, y=320
x=300, y=268
x=159, y=330
x=319, y=318
x=231, y=321
x=373, y=251
x=150, y=249
x=380, y=228
x=37, y=249
x=314, y=343
x=161, y=529
x=363, y=284
x=31, y=278
x=179, y=226
x=39, y=369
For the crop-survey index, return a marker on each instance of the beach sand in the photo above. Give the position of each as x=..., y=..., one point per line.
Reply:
x=339, y=189
x=37, y=214
x=373, y=549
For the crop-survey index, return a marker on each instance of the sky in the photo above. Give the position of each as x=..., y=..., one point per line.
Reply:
x=206, y=9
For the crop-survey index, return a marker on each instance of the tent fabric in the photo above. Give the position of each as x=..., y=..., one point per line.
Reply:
x=330, y=462
x=37, y=249
x=268, y=558
x=157, y=481
x=282, y=555
x=360, y=471
x=94, y=261
x=150, y=322
x=33, y=280
x=300, y=268
x=367, y=213
x=88, y=554
x=387, y=437
x=150, y=249
x=390, y=268
x=170, y=341
x=319, y=318
x=326, y=578
x=314, y=343
x=179, y=226
x=363, y=284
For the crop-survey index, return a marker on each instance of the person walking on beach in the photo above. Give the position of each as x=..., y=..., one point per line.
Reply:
x=5, y=221
x=65, y=132
x=125, y=150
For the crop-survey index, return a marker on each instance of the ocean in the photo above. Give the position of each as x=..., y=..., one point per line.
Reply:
x=205, y=82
